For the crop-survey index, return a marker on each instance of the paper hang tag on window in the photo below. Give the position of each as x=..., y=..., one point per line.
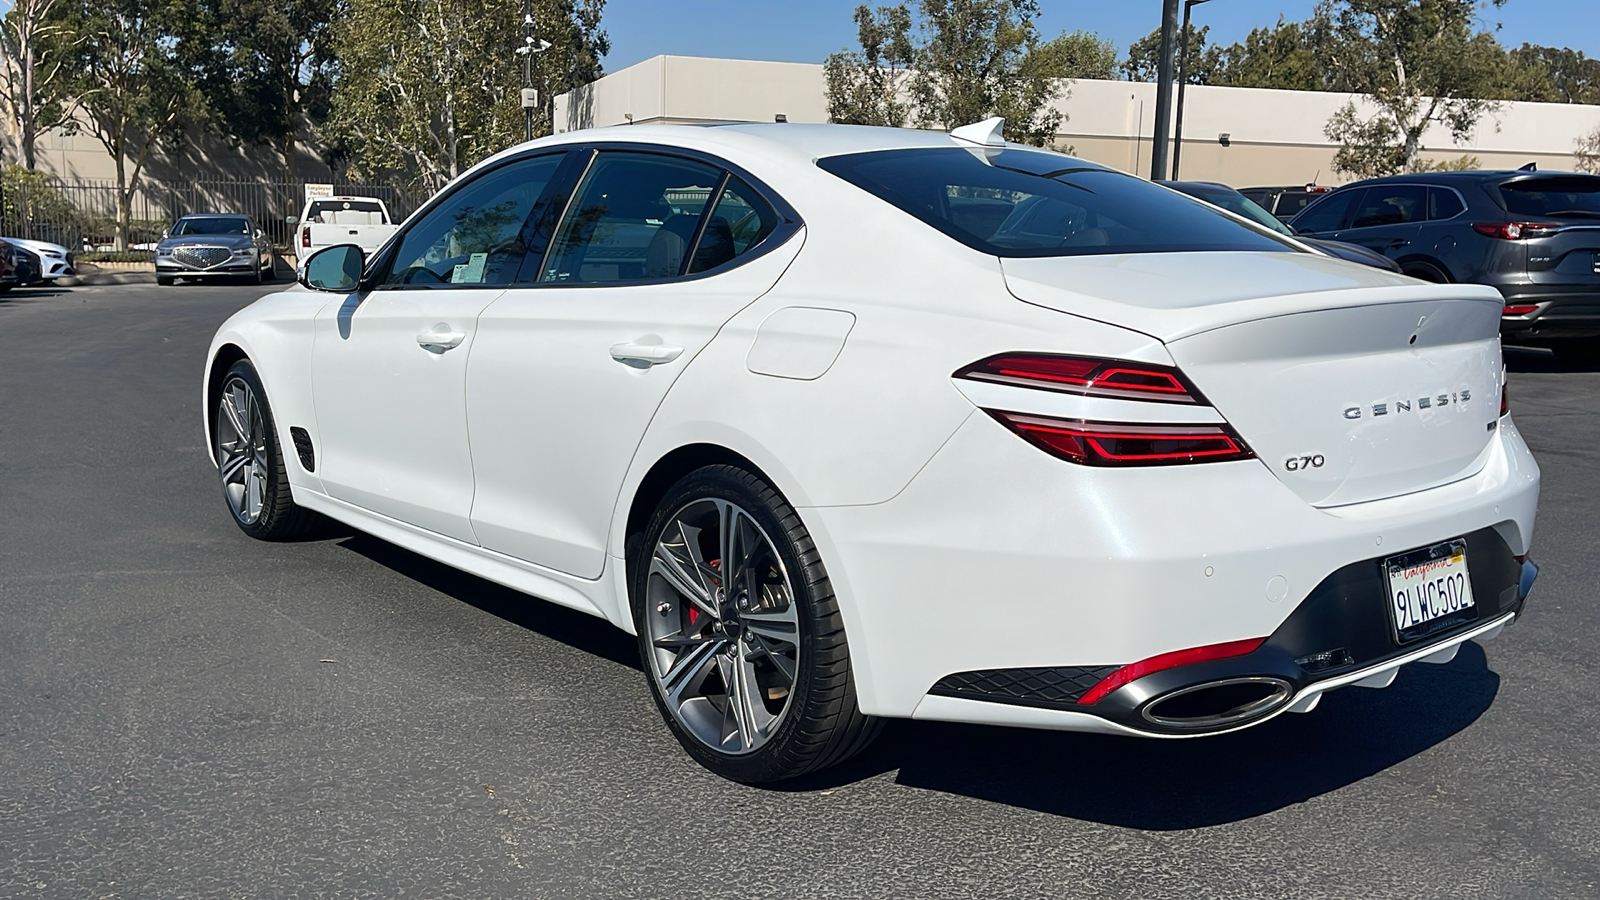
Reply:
x=471, y=271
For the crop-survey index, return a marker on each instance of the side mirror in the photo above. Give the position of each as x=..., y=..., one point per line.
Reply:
x=291, y=220
x=335, y=269
x=166, y=233
x=260, y=234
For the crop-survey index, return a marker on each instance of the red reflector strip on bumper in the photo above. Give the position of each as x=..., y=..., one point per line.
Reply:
x=1135, y=671
x=1520, y=309
x=1114, y=444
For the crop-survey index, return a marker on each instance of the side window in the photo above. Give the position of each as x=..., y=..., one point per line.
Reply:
x=739, y=221
x=1327, y=214
x=1391, y=206
x=1444, y=204
x=634, y=218
x=480, y=233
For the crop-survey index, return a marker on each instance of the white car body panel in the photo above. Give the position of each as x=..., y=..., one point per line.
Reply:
x=951, y=544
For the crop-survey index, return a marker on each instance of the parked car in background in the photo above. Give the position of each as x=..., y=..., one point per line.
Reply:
x=1285, y=202
x=363, y=221
x=8, y=266
x=1535, y=236
x=45, y=261
x=1075, y=452
x=1238, y=204
x=213, y=245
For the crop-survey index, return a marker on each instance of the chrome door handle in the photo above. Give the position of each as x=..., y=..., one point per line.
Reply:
x=644, y=355
x=440, y=338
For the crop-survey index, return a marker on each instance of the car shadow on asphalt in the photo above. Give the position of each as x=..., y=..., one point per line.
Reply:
x=1165, y=785
x=577, y=630
x=1156, y=785
x=1536, y=359
x=19, y=297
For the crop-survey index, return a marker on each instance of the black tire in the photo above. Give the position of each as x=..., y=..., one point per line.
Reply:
x=277, y=517
x=1426, y=272
x=165, y=280
x=1583, y=352
x=821, y=724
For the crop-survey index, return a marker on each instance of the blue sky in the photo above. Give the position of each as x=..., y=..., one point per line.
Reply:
x=808, y=30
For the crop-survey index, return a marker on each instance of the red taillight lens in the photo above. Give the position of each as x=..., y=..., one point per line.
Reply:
x=1135, y=671
x=305, y=236
x=1519, y=309
x=1505, y=400
x=1515, y=231
x=1111, y=444
x=1084, y=375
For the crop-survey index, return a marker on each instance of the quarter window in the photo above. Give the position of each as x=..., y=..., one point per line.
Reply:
x=1444, y=204
x=740, y=221
x=635, y=217
x=480, y=234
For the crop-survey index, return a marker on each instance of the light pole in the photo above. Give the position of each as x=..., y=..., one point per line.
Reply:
x=1158, y=156
x=1183, y=82
x=530, y=46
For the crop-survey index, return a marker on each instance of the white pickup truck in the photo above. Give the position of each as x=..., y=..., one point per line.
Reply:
x=363, y=221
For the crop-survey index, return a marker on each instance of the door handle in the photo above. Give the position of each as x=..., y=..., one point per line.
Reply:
x=644, y=356
x=1397, y=243
x=440, y=338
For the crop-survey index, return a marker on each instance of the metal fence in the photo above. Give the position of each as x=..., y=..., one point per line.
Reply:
x=83, y=215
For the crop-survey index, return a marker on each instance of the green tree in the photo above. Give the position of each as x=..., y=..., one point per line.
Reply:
x=1421, y=61
x=1588, y=152
x=944, y=63
x=1552, y=75
x=870, y=86
x=429, y=87
x=35, y=70
x=1279, y=57
x=1144, y=57
x=133, y=72
x=269, y=72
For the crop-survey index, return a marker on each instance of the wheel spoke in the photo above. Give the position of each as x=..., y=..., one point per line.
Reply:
x=230, y=410
x=781, y=662
x=689, y=586
x=776, y=625
x=234, y=463
x=688, y=672
x=738, y=717
x=252, y=494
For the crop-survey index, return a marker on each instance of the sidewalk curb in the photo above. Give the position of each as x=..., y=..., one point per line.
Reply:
x=106, y=278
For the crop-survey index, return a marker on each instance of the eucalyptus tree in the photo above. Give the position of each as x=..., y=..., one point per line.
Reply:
x=35, y=72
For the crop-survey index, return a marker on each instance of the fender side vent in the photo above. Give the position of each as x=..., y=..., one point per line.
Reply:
x=1047, y=687
x=302, y=447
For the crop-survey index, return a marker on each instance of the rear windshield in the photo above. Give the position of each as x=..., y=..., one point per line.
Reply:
x=318, y=207
x=1034, y=203
x=1572, y=195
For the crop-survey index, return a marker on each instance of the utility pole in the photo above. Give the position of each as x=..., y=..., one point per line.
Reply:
x=530, y=46
x=1183, y=82
x=1159, y=147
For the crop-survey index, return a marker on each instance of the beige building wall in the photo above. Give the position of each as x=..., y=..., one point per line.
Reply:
x=1273, y=137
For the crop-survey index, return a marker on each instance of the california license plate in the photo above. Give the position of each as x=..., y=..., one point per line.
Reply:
x=1429, y=590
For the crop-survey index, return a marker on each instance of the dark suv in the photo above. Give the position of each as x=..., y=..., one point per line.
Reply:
x=1533, y=235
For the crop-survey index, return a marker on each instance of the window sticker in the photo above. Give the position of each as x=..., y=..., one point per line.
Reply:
x=471, y=271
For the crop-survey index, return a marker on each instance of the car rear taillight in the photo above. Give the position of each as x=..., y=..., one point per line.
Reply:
x=1118, y=444
x=1519, y=309
x=1505, y=400
x=1516, y=231
x=305, y=236
x=1135, y=671
x=1084, y=375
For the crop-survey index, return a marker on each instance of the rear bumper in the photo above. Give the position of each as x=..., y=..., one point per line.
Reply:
x=998, y=557
x=1565, y=311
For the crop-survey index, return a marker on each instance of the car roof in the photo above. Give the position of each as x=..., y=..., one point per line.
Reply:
x=796, y=141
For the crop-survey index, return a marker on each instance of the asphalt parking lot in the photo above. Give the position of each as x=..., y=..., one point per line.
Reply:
x=185, y=712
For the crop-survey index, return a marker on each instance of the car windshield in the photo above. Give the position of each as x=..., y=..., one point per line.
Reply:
x=1571, y=195
x=212, y=225
x=1236, y=203
x=1021, y=203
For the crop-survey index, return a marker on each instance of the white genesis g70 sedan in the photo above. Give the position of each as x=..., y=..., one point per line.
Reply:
x=851, y=423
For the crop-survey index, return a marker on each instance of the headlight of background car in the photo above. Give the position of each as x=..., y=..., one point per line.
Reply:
x=163, y=251
x=245, y=251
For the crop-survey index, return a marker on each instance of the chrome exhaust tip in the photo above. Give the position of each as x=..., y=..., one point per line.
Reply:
x=1219, y=704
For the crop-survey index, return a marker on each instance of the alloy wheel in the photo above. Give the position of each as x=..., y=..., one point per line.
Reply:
x=723, y=627
x=242, y=449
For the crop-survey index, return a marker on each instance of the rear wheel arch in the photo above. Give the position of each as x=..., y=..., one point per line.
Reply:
x=1426, y=268
x=665, y=473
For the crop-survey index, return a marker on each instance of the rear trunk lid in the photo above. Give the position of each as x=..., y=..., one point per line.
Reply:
x=1351, y=384
x=1559, y=217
